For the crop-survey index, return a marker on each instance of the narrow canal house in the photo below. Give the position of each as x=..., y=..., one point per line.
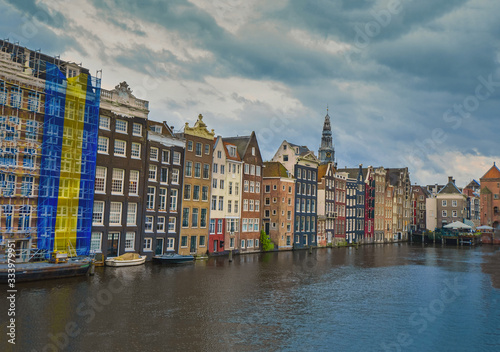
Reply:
x=279, y=203
x=418, y=199
x=327, y=212
x=369, y=178
x=399, y=180
x=225, y=210
x=118, y=213
x=379, y=206
x=248, y=150
x=473, y=193
x=340, y=206
x=162, y=190
x=355, y=204
x=303, y=165
x=197, y=177
x=490, y=198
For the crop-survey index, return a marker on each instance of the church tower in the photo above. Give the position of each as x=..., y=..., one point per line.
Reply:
x=326, y=153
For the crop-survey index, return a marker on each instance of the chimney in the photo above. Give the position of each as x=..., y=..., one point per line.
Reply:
x=451, y=180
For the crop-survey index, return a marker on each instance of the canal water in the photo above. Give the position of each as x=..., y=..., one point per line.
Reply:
x=399, y=297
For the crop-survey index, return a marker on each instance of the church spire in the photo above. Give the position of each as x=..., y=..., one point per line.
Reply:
x=326, y=152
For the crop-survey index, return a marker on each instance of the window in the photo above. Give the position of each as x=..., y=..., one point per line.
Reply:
x=444, y=203
x=237, y=189
x=184, y=241
x=206, y=171
x=214, y=203
x=164, y=175
x=247, y=169
x=197, y=170
x=257, y=205
x=454, y=203
x=148, y=223
x=222, y=167
x=194, y=217
x=102, y=145
x=175, y=176
x=253, y=151
x=204, y=193
x=129, y=241
x=230, y=188
x=196, y=192
x=203, y=218
x=257, y=171
x=285, y=157
x=267, y=188
x=232, y=151
x=137, y=129
x=100, y=179
x=148, y=244
x=156, y=128
x=202, y=241
x=251, y=207
x=153, y=154
x=135, y=153
x=215, y=168
x=115, y=213
x=104, y=122
x=454, y=213
x=162, y=201
x=117, y=181
x=95, y=242
x=131, y=214
x=445, y=213
x=190, y=146
x=211, y=227
x=242, y=243
x=245, y=204
x=133, y=188
x=120, y=148
x=173, y=200
x=221, y=203
x=171, y=224
x=152, y=173
x=221, y=185
x=121, y=126
x=198, y=149
x=98, y=213
x=170, y=243
x=244, y=226
x=189, y=168
x=150, y=200
x=185, y=217
x=231, y=242
x=160, y=224
x=177, y=158
x=245, y=186
x=165, y=156
x=187, y=191
x=229, y=206
x=26, y=186
x=257, y=187
x=207, y=149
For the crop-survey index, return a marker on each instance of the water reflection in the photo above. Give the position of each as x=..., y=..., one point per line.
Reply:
x=274, y=301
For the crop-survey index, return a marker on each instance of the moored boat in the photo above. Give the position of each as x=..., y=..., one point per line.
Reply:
x=127, y=259
x=172, y=258
x=44, y=270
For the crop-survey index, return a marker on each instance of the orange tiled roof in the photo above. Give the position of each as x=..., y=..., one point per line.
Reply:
x=322, y=171
x=492, y=173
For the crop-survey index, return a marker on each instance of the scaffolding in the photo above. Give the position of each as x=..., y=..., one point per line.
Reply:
x=49, y=121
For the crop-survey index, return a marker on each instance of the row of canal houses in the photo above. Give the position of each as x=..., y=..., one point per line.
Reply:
x=193, y=192
x=159, y=189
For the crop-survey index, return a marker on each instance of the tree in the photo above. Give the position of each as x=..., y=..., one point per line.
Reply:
x=267, y=245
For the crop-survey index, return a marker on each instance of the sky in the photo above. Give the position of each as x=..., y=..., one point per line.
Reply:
x=407, y=83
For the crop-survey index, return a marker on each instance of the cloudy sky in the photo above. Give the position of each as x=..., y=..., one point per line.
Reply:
x=407, y=83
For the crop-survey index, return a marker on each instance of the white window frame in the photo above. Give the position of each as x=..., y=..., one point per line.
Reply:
x=153, y=153
x=104, y=126
x=121, y=123
x=137, y=129
x=103, y=145
x=148, y=244
x=100, y=174
x=129, y=241
x=135, y=152
x=115, y=212
x=131, y=214
x=96, y=238
x=133, y=179
x=118, y=148
x=98, y=206
x=117, y=179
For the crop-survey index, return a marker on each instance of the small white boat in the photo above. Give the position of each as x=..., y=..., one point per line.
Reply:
x=127, y=259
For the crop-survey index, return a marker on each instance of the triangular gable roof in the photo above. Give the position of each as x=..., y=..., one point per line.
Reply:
x=473, y=184
x=241, y=144
x=450, y=188
x=309, y=155
x=303, y=150
x=274, y=169
x=493, y=172
x=322, y=169
x=226, y=149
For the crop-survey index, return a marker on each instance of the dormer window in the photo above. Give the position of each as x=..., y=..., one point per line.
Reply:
x=284, y=146
x=72, y=72
x=232, y=151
